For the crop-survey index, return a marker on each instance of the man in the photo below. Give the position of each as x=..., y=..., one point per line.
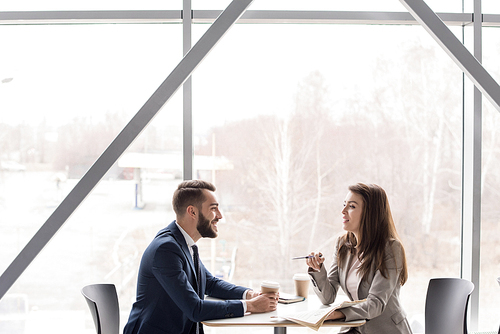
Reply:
x=169, y=297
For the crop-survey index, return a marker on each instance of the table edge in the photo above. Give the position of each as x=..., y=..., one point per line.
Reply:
x=284, y=323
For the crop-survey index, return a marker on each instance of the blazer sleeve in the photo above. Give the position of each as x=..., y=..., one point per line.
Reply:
x=221, y=289
x=325, y=284
x=169, y=268
x=381, y=288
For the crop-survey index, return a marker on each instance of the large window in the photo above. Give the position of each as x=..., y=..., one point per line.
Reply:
x=285, y=117
x=303, y=112
x=490, y=213
x=66, y=92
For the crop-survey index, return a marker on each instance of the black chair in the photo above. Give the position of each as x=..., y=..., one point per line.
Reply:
x=103, y=303
x=446, y=306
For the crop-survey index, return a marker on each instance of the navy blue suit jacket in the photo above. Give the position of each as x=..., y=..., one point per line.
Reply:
x=167, y=301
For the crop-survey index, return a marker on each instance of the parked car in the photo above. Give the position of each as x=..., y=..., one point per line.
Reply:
x=12, y=166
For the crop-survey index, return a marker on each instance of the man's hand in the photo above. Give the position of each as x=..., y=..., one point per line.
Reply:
x=265, y=302
x=252, y=294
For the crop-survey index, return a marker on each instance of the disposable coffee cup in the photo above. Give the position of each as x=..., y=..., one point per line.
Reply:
x=269, y=286
x=301, y=284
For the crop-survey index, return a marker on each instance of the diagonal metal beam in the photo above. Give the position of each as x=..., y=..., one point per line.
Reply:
x=455, y=49
x=152, y=106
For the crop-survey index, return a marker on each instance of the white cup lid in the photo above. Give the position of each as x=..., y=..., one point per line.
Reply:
x=270, y=284
x=301, y=277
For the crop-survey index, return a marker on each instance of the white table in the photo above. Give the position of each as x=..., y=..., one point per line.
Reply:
x=271, y=319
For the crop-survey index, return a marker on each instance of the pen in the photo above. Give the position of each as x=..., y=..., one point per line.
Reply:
x=305, y=257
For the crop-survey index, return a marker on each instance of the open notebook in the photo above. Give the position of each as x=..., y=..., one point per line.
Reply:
x=315, y=318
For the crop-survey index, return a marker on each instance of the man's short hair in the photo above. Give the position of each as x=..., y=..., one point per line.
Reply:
x=190, y=193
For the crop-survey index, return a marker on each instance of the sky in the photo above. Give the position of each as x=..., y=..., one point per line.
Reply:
x=75, y=70
x=62, y=71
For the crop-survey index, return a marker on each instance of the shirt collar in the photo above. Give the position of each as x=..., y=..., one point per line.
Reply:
x=189, y=241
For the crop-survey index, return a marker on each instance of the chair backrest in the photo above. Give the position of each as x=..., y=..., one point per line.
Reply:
x=446, y=306
x=103, y=303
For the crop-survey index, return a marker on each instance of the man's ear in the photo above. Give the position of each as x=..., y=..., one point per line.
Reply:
x=192, y=211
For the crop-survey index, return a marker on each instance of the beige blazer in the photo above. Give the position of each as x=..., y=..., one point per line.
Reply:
x=382, y=310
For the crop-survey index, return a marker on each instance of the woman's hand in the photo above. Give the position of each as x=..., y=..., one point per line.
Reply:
x=335, y=315
x=315, y=261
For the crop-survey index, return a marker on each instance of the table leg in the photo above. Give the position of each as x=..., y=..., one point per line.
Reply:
x=279, y=330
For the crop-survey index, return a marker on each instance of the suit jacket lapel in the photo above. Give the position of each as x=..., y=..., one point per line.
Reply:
x=177, y=234
x=364, y=285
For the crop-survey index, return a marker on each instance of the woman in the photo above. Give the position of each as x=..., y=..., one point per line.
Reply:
x=369, y=263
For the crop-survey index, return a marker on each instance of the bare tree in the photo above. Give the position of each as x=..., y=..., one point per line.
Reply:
x=427, y=109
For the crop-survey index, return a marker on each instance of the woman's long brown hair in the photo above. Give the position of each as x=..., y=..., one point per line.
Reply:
x=376, y=229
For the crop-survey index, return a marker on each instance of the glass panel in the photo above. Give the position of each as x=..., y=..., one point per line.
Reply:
x=487, y=6
x=489, y=307
x=298, y=113
x=66, y=92
x=35, y=5
x=358, y=5
x=490, y=6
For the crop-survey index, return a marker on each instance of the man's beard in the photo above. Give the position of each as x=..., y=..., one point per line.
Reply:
x=204, y=227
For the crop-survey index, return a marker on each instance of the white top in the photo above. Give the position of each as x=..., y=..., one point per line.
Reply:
x=352, y=279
